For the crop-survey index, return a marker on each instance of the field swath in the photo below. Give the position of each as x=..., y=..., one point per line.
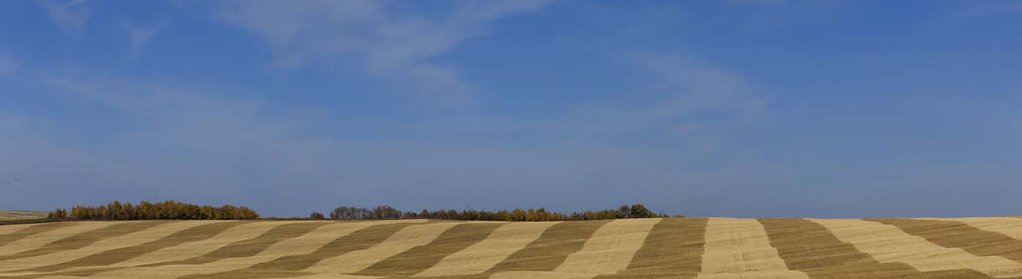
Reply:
x=629, y=248
x=9, y=215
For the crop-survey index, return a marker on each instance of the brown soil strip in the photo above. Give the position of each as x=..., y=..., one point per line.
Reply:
x=1012, y=227
x=336, y=276
x=420, y=258
x=9, y=229
x=9, y=215
x=41, y=239
x=673, y=249
x=31, y=230
x=954, y=234
x=197, y=233
x=544, y=254
x=552, y=248
x=84, y=239
x=248, y=230
x=287, y=266
x=250, y=247
x=460, y=276
x=82, y=274
x=321, y=234
x=610, y=249
x=301, y=245
x=164, y=229
x=809, y=247
x=485, y=254
x=76, y=273
x=890, y=244
x=740, y=248
x=398, y=243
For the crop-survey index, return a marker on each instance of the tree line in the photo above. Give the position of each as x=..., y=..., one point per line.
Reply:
x=174, y=210
x=384, y=212
x=167, y=210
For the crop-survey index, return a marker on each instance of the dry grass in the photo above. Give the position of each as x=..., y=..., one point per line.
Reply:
x=673, y=249
x=420, y=258
x=12, y=233
x=498, y=246
x=1008, y=226
x=116, y=236
x=741, y=247
x=305, y=237
x=887, y=243
x=631, y=248
x=610, y=249
x=7, y=215
x=401, y=241
x=809, y=247
x=551, y=249
x=113, y=256
x=953, y=234
x=37, y=237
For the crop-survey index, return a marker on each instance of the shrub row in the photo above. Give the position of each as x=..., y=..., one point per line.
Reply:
x=173, y=210
x=531, y=214
x=168, y=210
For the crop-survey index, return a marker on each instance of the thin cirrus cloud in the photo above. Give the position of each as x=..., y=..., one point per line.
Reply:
x=71, y=17
x=391, y=45
x=68, y=16
x=8, y=64
x=188, y=146
x=139, y=36
x=194, y=147
x=692, y=100
x=687, y=108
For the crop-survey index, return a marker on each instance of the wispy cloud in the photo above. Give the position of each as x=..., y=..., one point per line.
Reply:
x=69, y=16
x=189, y=145
x=690, y=100
x=699, y=87
x=8, y=64
x=392, y=45
x=140, y=35
x=991, y=8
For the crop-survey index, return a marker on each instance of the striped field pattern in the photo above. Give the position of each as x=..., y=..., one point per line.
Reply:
x=6, y=215
x=628, y=248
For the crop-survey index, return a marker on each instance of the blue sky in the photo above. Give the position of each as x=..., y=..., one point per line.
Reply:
x=704, y=108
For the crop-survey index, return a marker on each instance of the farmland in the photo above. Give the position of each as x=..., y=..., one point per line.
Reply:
x=624, y=248
x=8, y=215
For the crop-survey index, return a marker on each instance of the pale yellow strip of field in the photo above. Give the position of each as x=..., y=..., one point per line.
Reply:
x=201, y=247
x=485, y=254
x=611, y=248
x=127, y=240
x=540, y=274
x=887, y=243
x=193, y=249
x=9, y=229
x=313, y=276
x=333, y=276
x=740, y=248
x=304, y=244
x=47, y=237
x=1010, y=226
x=401, y=241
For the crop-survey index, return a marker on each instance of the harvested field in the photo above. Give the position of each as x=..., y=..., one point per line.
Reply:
x=8, y=215
x=628, y=248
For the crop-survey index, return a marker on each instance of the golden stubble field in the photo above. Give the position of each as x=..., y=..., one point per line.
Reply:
x=628, y=248
x=8, y=215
